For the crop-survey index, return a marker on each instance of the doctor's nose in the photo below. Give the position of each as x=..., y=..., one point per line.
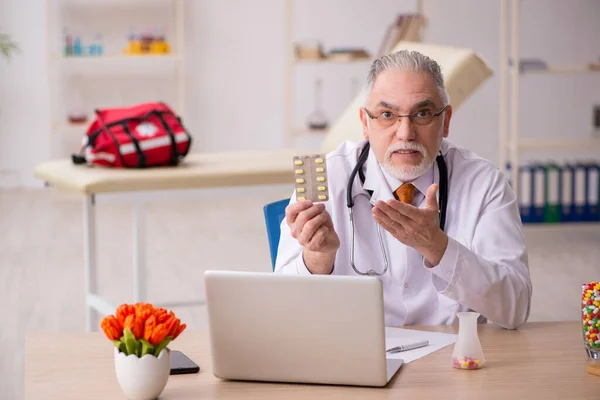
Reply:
x=405, y=130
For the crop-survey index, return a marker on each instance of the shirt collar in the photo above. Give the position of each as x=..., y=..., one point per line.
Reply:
x=422, y=183
x=384, y=185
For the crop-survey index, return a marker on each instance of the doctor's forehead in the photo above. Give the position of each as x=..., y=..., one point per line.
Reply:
x=404, y=90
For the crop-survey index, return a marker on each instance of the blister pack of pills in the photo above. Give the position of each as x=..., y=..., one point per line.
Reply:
x=310, y=173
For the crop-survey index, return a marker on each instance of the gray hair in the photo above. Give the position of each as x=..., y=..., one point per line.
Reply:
x=408, y=61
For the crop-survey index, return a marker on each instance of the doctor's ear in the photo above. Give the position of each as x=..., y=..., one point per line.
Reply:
x=447, y=117
x=365, y=122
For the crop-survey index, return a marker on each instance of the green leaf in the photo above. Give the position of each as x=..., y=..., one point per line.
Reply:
x=147, y=348
x=120, y=345
x=7, y=46
x=162, y=345
x=131, y=343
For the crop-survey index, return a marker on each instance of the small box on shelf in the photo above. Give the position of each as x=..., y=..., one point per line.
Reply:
x=348, y=54
x=309, y=51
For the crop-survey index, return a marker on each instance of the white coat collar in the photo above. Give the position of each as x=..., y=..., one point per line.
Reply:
x=375, y=180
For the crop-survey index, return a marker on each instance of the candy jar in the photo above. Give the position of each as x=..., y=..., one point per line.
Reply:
x=590, y=318
x=467, y=350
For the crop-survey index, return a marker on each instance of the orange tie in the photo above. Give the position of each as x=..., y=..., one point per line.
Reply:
x=405, y=193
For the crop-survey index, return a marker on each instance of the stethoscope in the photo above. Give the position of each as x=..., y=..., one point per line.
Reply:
x=443, y=201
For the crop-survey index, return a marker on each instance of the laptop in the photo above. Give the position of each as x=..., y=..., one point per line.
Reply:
x=297, y=328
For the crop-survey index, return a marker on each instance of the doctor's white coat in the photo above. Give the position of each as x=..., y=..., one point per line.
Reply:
x=484, y=268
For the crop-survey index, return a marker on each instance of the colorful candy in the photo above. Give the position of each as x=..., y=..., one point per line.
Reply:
x=465, y=363
x=590, y=313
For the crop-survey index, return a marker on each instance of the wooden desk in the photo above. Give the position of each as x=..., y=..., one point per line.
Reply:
x=539, y=361
x=197, y=171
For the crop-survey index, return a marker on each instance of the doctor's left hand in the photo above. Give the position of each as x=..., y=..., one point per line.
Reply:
x=415, y=227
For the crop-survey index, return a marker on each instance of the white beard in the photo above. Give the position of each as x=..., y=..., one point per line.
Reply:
x=406, y=173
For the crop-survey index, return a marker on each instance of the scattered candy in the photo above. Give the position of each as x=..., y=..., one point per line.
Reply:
x=466, y=363
x=590, y=300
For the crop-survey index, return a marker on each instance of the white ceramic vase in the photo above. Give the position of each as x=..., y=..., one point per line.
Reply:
x=143, y=378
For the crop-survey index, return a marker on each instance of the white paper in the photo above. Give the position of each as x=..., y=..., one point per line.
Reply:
x=398, y=336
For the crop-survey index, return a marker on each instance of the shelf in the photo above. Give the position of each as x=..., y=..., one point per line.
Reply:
x=557, y=144
x=564, y=69
x=118, y=58
x=308, y=132
x=108, y=72
x=116, y=3
x=331, y=60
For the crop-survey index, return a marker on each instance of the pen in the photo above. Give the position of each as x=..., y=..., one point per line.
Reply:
x=410, y=346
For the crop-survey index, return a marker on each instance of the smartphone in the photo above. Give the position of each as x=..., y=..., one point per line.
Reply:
x=181, y=364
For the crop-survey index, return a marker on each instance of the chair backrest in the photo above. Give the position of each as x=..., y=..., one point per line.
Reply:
x=274, y=214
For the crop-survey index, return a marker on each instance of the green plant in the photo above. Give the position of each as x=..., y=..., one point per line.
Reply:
x=7, y=46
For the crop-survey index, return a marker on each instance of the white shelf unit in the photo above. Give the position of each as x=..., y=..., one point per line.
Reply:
x=172, y=63
x=511, y=143
x=117, y=58
x=293, y=132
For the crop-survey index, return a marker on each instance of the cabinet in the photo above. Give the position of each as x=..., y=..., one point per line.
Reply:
x=512, y=70
x=106, y=72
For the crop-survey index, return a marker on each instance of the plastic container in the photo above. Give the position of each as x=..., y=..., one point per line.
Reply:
x=467, y=352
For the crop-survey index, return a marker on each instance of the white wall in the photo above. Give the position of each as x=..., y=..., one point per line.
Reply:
x=235, y=71
x=560, y=32
x=24, y=117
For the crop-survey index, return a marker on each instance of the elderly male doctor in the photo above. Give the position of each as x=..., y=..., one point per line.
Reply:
x=478, y=262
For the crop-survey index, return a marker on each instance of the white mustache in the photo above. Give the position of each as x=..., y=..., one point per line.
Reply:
x=406, y=146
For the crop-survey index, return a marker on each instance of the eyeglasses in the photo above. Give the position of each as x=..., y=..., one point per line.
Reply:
x=387, y=118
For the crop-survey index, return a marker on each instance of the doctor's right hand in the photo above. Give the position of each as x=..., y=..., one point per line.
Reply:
x=311, y=225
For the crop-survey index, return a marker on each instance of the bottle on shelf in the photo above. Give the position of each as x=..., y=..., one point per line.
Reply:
x=317, y=120
x=159, y=43
x=97, y=46
x=68, y=43
x=145, y=41
x=76, y=113
x=77, y=47
x=133, y=43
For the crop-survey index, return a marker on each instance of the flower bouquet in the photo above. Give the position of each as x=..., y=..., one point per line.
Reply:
x=140, y=333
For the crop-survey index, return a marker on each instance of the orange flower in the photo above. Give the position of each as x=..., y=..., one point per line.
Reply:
x=144, y=310
x=161, y=315
x=172, y=325
x=149, y=327
x=159, y=333
x=135, y=324
x=123, y=311
x=181, y=328
x=153, y=324
x=111, y=327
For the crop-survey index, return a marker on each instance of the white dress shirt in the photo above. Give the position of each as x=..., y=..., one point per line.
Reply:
x=484, y=267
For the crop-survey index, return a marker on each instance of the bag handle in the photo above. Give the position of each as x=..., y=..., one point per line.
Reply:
x=101, y=120
x=174, y=151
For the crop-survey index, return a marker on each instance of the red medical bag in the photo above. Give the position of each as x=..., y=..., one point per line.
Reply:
x=144, y=135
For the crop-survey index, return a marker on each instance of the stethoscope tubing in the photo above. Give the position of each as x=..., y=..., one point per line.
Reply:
x=441, y=163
